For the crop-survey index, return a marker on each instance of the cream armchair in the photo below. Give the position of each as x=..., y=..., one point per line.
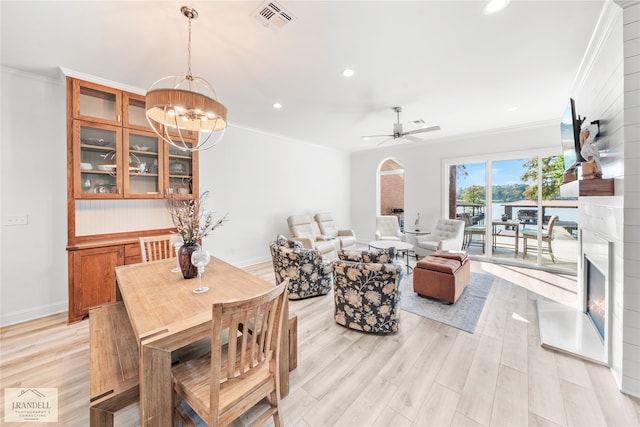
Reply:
x=448, y=234
x=329, y=230
x=307, y=232
x=388, y=228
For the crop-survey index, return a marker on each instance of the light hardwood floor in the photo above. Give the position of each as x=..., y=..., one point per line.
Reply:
x=428, y=374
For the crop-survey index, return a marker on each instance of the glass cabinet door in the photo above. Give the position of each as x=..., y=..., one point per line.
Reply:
x=181, y=172
x=97, y=103
x=98, y=160
x=134, y=112
x=143, y=159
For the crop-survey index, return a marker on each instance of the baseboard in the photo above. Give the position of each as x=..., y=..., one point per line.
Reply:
x=33, y=313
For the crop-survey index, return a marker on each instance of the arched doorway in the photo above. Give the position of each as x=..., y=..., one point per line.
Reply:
x=391, y=189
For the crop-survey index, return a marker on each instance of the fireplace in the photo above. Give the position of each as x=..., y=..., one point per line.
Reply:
x=596, y=267
x=596, y=307
x=582, y=331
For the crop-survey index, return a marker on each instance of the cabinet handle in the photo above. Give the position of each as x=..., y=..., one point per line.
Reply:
x=121, y=254
x=119, y=190
x=119, y=119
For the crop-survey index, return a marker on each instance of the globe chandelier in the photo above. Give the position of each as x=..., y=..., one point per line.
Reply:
x=178, y=105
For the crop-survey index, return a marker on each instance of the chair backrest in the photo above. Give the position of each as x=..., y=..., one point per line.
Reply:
x=550, y=224
x=382, y=256
x=249, y=363
x=388, y=226
x=326, y=223
x=300, y=226
x=466, y=218
x=449, y=230
x=156, y=247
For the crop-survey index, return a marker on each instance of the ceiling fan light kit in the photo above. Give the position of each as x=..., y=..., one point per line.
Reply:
x=398, y=130
x=185, y=103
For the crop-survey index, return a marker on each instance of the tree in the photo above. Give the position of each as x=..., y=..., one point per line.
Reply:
x=552, y=171
x=473, y=194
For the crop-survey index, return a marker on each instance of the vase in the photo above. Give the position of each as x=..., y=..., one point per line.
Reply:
x=189, y=271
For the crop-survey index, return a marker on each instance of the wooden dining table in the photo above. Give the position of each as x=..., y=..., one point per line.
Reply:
x=166, y=315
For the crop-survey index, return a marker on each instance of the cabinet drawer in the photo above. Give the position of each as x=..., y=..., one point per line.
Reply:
x=132, y=253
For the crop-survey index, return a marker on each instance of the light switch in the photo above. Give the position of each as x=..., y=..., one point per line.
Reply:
x=16, y=219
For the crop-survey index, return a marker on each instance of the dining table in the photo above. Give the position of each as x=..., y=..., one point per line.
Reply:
x=166, y=315
x=511, y=229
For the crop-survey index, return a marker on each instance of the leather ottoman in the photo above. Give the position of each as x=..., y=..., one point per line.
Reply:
x=442, y=275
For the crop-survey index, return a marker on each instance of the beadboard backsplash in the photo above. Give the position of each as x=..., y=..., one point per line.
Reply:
x=117, y=216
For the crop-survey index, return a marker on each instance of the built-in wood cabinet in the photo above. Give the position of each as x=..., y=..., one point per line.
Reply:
x=113, y=153
x=91, y=278
x=117, y=155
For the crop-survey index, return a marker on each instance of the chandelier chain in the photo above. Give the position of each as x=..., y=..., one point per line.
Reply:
x=189, y=75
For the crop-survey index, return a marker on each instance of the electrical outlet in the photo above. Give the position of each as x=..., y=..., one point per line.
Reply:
x=22, y=219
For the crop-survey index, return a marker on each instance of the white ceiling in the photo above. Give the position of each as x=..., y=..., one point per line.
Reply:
x=444, y=62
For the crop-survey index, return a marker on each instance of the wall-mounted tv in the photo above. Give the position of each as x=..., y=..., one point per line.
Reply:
x=570, y=136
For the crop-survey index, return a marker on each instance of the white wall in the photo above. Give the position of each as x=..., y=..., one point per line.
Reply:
x=258, y=179
x=424, y=177
x=33, y=279
x=261, y=179
x=631, y=131
x=608, y=89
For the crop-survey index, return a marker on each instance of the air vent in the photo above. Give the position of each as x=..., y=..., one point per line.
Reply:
x=272, y=15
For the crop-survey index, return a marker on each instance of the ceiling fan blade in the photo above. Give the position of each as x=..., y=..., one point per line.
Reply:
x=375, y=136
x=412, y=138
x=386, y=140
x=421, y=130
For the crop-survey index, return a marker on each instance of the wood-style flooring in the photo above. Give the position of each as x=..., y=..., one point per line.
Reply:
x=428, y=374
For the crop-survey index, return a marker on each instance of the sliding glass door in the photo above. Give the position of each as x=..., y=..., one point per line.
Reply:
x=522, y=219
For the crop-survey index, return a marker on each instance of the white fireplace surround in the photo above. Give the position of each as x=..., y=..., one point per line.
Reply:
x=569, y=329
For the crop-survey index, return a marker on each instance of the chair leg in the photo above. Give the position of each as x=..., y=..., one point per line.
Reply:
x=553, y=258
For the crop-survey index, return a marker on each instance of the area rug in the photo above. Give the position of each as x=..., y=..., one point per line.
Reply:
x=464, y=314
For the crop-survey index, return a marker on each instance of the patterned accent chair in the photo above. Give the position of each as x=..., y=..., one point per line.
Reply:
x=367, y=290
x=309, y=273
x=329, y=229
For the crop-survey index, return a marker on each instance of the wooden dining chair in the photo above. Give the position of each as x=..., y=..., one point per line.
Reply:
x=240, y=372
x=154, y=248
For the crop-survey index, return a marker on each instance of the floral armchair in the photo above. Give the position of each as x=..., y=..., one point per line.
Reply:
x=309, y=273
x=367, y=290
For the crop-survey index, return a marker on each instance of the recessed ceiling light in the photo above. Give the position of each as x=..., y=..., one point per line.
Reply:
x=495, y=6
x=277, y=105
x=348, y=72
x=514, y=108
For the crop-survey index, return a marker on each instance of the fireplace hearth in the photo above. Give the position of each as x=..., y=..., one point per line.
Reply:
x=582, y=331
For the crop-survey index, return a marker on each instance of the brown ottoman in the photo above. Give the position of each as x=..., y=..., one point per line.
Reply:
x=442, y=275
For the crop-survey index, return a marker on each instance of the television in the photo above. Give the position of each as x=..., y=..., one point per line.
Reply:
x=570, y=136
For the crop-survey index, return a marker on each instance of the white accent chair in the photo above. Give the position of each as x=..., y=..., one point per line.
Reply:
x=388, y=228
x=447, y=235
x=329, y=230
x=307, y=232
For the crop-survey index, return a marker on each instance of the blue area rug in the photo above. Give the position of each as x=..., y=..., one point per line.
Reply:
x=464, y=314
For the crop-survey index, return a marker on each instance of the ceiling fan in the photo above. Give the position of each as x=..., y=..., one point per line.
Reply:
x=398, y=132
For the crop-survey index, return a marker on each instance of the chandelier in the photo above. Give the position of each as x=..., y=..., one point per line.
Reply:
x=176, y=105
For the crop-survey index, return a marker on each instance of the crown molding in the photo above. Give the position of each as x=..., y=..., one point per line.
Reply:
x=21, y=73
x=605, y=25
x=101, y=81
x=627, y=3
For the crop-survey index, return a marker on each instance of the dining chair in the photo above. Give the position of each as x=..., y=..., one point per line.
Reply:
x=546, y=236
x=241, y=370
x=154, y=248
